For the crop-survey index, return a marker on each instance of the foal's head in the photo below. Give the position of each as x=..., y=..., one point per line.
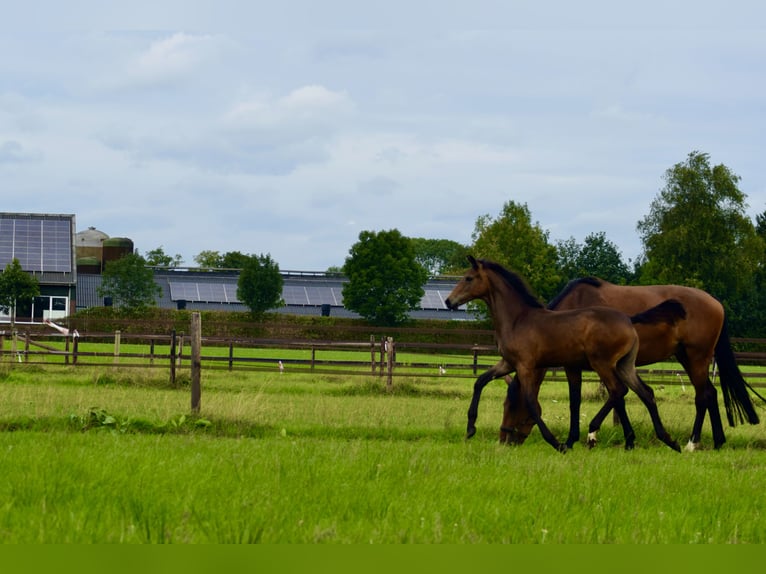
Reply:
x=473, y=285
x=476, y=284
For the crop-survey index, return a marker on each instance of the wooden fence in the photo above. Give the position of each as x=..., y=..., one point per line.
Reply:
x=385, y=357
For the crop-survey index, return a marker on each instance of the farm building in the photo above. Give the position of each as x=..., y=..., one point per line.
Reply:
x=68, y=265
x=44, y=247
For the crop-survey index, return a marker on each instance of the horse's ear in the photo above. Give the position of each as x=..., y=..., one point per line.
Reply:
x=472, y=261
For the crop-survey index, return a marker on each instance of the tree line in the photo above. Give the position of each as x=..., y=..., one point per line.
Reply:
x=696, y=233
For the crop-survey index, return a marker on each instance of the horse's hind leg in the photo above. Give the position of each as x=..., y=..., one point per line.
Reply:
x=616, y=401
x=705, y=400
x=646, y=394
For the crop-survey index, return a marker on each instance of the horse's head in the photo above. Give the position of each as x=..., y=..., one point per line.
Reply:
x=473, y=285
x=517, y=420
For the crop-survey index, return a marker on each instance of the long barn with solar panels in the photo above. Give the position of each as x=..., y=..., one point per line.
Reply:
x=68, y=266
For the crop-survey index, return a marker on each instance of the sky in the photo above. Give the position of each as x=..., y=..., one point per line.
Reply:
x=287, y=128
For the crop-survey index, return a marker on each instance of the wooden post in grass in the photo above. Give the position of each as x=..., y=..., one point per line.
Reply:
x=196, y=360
x=372, y=353
x=390, y=363
x=116, y=347
x=173, y=358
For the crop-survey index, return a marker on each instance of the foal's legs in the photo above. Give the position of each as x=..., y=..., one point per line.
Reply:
x=616, y=400
x=646, y=394
x=500, y=369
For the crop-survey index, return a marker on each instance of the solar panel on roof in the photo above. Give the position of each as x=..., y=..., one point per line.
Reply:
x=203, y=291
x=40, y=243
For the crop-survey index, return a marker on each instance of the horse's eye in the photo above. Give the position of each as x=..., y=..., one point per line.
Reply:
x=468, y=279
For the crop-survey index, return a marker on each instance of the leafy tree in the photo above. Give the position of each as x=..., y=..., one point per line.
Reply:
x=697, y=231
x=597, y=256
x=235, y=260
x=158, y=258
x=130, y=283
x=511, y=239
x=385, y=282
x=260, y=284
x=216, y=260
x=439, y=256
x=209, y=259
x=16, y=285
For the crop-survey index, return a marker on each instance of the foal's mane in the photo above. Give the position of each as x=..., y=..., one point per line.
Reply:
x=571, y=286
x=515, y=282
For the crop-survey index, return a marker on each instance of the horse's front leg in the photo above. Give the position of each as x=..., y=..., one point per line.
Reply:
x=501, y=369
x=530, y=382
x=574, y=378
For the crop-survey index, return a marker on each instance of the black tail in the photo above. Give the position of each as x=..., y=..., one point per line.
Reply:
x=669, y=311
x=736, y=399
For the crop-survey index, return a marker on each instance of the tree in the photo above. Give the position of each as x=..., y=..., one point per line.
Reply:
x=260, y=284
x=597, y=256
x=385, y=282
x=209, y=259
x=130, y=283
x=697, y=232
x=16, y=285
x=158, y=258
x=214, y=259
x=439, y=256
x=512, y=240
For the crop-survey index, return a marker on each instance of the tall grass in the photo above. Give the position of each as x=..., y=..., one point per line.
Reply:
x=114, y=456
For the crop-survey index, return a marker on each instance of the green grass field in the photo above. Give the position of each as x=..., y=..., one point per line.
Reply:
x=113, y=455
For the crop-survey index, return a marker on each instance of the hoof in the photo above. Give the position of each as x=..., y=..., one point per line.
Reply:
x=563, y=449
x=592, y=439
x=470, y=432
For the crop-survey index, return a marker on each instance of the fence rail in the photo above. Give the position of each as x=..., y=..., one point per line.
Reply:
x=382, y=357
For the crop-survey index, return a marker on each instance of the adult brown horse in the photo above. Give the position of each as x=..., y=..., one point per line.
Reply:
x=532, y=339
x=696, y=341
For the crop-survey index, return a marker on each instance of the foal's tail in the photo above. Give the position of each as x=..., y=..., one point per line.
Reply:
x=736, y=399
x=669, y=311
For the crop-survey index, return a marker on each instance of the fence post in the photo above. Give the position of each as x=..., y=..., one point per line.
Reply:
x=313, y=356
x=173, y=358
x=66, y=350
x=151, y=352
x=372, y=354
x=180, y=348
x=390, y=363
x=196, y=361
x=231, y=355
x=26, y=346
x=75, y=344
x=116, y=347
x=475, y=359
x=382, y=354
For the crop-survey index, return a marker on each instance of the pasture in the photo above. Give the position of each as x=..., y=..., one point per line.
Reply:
x=111, y=454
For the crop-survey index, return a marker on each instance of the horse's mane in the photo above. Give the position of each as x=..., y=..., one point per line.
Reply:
x=515, y=281
x=571, y=286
